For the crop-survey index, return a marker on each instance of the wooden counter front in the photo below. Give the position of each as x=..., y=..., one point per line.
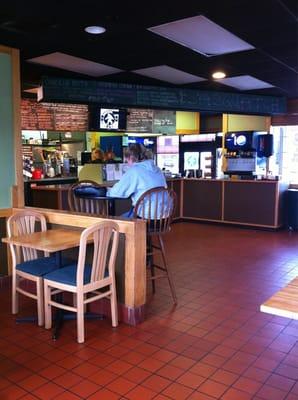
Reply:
x=251, y=202
x=55, y=197
x=245, y=202
x=202, y=198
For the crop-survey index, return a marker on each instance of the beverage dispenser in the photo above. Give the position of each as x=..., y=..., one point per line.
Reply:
x=240, y=157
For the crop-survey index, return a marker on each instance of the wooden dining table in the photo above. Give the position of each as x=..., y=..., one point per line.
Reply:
x=51, y=241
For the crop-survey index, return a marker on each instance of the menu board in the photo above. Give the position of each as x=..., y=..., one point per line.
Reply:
x=133, y=95
x=139, y=120
x=35, y=116
x=164, y=122
x=53, y=116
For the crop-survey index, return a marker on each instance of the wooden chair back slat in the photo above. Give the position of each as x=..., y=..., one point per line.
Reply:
x=104, y=236
x=86, y=205
x=157, y=207
x=22, y=223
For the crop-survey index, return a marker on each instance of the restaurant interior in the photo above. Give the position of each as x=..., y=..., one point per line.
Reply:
x=196, y=297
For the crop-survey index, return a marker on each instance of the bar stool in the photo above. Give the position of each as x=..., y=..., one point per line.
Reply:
x=157, y=207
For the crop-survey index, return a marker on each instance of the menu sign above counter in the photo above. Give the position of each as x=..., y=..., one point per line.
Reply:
x=139, y=120
x=167, y=98
x=53, y=116
x=164, y=122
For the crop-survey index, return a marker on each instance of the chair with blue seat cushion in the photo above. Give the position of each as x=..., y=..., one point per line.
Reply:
x=28, y=263
x=86, y=280
x=84, y=196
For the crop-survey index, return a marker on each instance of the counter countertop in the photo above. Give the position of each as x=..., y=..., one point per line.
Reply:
x=65, y=186
x=55, y=179
x=53, y=183
x=232, y=180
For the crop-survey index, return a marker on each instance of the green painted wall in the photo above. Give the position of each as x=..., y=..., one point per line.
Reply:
x=7, y=169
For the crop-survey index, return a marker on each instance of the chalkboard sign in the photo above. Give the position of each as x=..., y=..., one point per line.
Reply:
x=122, y=94
x=53, y=116
x=139, y=120
x=164, y=122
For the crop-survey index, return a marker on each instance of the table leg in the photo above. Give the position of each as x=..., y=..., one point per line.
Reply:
x=59, y=314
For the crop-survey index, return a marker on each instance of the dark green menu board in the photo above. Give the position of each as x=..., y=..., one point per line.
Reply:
x=168, y=98
x=139, y=120
x=164, y=122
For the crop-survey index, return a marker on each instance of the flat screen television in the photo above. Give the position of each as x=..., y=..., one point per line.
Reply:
x=167, y=144
x=191, y=160
x=104, y=119
x=148, y=142
x=239, y=141
x=168, y=162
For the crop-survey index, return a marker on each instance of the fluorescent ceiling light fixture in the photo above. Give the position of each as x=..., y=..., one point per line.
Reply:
x=75, y=64
x=169, y=74
x=201, y=35
x=95, y=30
x=218, y=75
x=245, y=82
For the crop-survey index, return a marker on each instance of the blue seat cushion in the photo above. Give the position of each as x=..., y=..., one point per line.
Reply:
x=90, y=191
x=68, y=275
x=39, y=266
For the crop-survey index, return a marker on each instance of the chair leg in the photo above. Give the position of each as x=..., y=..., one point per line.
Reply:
x=47, y=306
x=114, y=307
x=15, y=295
x=150, y=263
x=168, y=271
x=40, y=301
x=80, y=318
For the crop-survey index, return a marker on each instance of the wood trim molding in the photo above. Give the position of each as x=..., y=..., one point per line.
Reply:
x=5, y=212
x=17, y=190
x=181, y=198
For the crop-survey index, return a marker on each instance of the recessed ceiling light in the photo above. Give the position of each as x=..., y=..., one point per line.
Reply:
x=218, y=75
x=95, y=30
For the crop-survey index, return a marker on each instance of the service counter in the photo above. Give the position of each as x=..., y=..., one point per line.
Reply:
x=32, y=183
x=257, y=203
x=55, y=197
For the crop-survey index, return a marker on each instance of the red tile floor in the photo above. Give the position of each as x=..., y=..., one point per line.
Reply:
x=214, y=345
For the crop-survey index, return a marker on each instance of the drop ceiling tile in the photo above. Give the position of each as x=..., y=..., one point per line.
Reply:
x=169, y=74
x=75, y=64
x=245, y=82
x=201, y=35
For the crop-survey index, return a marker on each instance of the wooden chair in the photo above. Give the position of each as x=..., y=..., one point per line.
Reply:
x=83, y=197
x=85, y=280
x=157, y=207
x=26, y=263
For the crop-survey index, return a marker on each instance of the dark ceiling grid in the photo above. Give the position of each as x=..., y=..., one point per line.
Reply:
x=40, y=28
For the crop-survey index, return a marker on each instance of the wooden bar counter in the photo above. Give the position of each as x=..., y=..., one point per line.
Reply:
x=256, y=203
x=55, y=197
